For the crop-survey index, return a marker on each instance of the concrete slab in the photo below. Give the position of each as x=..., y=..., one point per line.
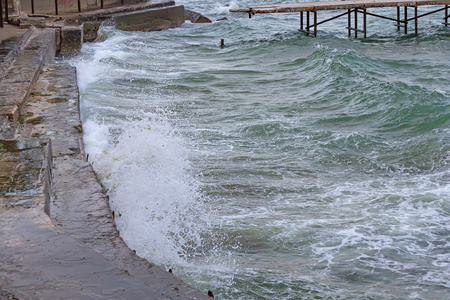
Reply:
x=27, y=66
x=25, y=171
x=39, y=22
x=12, y=40
x=71, y=40
x=52, y=110
x=54, y=265
x=150, y=19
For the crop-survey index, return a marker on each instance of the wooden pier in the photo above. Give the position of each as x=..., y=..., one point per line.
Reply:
x=352, y=7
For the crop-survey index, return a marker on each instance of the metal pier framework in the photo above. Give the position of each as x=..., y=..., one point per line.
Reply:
x=353, y=8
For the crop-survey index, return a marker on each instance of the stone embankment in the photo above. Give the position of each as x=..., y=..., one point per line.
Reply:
x=57, y=234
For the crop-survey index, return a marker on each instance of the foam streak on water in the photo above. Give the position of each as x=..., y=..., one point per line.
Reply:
x=282, y=166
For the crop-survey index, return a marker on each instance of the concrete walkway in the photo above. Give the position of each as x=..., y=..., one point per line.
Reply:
x=57, y=235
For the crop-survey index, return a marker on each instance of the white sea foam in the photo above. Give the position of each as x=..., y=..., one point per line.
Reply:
x=95, y=136
x=144, y=166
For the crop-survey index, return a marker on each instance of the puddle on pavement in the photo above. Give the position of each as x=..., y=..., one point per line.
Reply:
x=34, y=121
x=57, y=100
x=18, y=145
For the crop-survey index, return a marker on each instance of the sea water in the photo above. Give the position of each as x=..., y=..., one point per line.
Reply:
x=280, y=166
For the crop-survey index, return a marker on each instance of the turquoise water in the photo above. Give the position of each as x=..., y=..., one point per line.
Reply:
x=281, y=166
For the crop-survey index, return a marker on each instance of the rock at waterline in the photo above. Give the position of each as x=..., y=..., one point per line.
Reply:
x=195, y=17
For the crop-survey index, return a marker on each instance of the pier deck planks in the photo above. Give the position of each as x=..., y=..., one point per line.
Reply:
x=333, y=5
x=352, y=6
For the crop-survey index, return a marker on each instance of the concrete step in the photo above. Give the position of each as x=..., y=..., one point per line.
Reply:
x=12, y=41
x=23, y=72
x=52, y=110
x=150, y=19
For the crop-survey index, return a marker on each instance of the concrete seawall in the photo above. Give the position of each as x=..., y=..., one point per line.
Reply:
x=58, y=239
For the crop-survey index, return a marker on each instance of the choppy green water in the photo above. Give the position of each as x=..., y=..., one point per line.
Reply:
x=281, y=166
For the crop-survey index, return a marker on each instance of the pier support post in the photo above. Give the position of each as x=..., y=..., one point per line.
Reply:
x=446, y=16
x=359, y=8
x=315, y=22
x=365, y=23
x=349, y=22
x=307, y=21
x=406, y=19
x=416, y=29
x=301, y=21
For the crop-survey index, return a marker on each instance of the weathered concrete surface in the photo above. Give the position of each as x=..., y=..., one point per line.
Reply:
x=71, y=40
x=52, y=111
x=39, y=261
x=13, y=39
x=151, y=19
x=73, y=251
x=25, y=173
x=33, y=21
x=14, y=86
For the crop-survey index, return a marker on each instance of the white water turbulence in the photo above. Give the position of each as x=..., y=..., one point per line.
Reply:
x=143, y=164
x=147, y=174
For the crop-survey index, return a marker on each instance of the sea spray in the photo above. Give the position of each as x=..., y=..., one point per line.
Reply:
x=158, y=207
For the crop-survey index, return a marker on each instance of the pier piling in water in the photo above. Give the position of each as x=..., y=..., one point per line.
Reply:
x=352, y=7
